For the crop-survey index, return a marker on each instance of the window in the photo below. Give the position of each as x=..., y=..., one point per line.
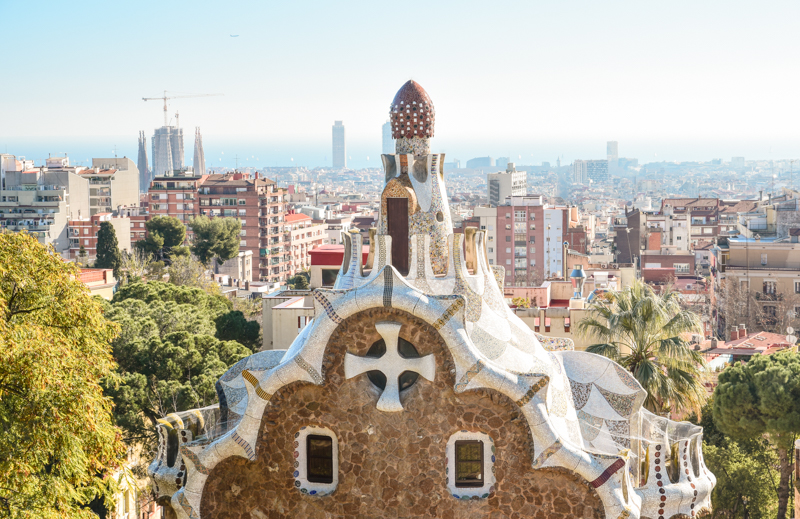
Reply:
x=797, y=287
x=243, y=232
x=491, y=227
x=533, y=250
x=763, y=259
x=508, y=250
x=770, y=287
x=533, y=227
x=491, y=249
x=681, y=268
x=533, y=217
x=508, y=226
x=533, y=263
x=508, y=215
x=470, y=462
x=319, y=458
x=491, y=262
x=508, y=262
x=316, y=471
x=242, y=243
x=533, y=239
x=508, y=238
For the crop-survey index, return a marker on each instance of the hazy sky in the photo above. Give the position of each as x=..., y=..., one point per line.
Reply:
x=681, y=79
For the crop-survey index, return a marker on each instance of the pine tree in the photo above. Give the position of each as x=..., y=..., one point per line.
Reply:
x=108, y=256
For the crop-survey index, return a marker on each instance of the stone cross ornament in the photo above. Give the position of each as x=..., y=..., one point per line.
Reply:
x=391, y=364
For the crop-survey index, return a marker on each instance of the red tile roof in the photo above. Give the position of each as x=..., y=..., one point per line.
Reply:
x=294, y=218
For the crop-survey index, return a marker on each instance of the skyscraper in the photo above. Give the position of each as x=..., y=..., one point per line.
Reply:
x=612, y=152
x=167, y=150
x=144, y=169
x=388, y=146
x=199, y=161
x=339, y=147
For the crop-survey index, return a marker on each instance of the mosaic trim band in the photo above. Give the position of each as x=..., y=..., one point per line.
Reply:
x=388, y=282
x=448, y=314
x=254, y=382
x=610, y=471
x=241, y=442
x=469, y=375
x=533, y=390
x=316, y=377
x=191, y=456
x=187, y=507
x=546, y=454
x=326, y=305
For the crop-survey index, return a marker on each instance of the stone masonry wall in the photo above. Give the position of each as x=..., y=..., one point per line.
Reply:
x=391, y=464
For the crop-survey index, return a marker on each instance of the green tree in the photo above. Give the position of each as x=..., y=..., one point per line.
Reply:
x=187, y=271
x=644, y=332
x=233, y=326
x=169, y=357
x=215, y=237
x=762, y=399
x=82, y=255
x=299, y=282
x=746, y=472
x=108, y=255
x=163, y=234
x=57, y=438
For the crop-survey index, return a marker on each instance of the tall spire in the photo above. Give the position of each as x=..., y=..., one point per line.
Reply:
x=199, y=158
x=144, y=169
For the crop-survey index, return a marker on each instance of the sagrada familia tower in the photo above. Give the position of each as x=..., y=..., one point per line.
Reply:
x=416, y=392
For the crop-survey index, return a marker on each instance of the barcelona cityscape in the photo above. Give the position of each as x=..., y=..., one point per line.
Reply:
x=447, y=260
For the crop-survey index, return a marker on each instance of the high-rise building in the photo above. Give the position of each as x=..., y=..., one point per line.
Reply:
x=388, y=145
x=339, y=147
x=480, y=162
x=612, y=151
x=579, y=175
x=199, y=162
x=506, y=183
x=144, y=169
x=167, y=150
x=113, y=184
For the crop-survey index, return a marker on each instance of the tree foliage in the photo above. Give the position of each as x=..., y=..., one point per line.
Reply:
x=644, y=332
x=299, y=281
x=163, y=234
x=108, y=255
x=187, y=271
x=170, y=352
x=746, y=472
x=215, y=238
x=234, y=326
x=762, y=399
x=57, y=439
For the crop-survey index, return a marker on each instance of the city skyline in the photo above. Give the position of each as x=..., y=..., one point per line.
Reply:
x=707, y=81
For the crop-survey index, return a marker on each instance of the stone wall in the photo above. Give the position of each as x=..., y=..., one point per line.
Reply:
x=391, y=464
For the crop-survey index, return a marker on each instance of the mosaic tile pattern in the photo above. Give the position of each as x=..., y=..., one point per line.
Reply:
x=191, y=456
x=316, y=377
x=580, y=393
x=622, y=404
x=411, y=112
x=388, y=281
x=413, y=146
x=327, y=306
x=469, y=375
x=186, y=507
x=558, y=402
x=546, y=454
x=542, y=382
x=449, y=313
x=590, y=425
x=610, y=471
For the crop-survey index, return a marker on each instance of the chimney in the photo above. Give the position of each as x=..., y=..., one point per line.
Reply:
x=230, y=281
x=247, y=283
x=742, y=331
x=239, y=284
x=713, y=342
x=734, y=334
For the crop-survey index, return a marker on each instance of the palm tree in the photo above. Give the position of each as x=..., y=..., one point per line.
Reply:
x=644, y=332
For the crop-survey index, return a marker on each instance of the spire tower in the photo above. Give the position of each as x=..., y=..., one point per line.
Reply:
x=144, y=169
x=199, y=158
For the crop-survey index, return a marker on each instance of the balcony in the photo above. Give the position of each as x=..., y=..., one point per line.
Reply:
x=763, y=296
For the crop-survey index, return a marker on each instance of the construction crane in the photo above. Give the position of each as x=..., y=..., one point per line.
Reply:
x=165, y=98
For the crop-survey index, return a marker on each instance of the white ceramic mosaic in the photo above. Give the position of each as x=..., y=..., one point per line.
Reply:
x=584, y=411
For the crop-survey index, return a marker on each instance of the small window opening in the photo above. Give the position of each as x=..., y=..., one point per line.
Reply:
x=319, y=455
x=469, y=463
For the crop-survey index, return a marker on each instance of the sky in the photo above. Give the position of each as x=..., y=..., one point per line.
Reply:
x=532, y=80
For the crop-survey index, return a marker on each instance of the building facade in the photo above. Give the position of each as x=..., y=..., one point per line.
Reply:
x=339, y=151
x=507, y=183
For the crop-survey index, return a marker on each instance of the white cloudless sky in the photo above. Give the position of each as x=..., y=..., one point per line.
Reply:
x=681, y=79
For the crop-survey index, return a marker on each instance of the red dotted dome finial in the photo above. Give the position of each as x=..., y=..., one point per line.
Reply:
x=412, y=113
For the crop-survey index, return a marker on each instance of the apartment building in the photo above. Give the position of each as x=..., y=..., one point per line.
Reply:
x=527, y=237
x=83, y=233
x=506, y=183
x=261, y=207
x=113, y=183
x=42, y=200
x=304, y=235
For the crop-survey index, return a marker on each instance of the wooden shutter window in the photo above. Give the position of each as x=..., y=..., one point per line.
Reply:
x=469, y=463
x=319, y=458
